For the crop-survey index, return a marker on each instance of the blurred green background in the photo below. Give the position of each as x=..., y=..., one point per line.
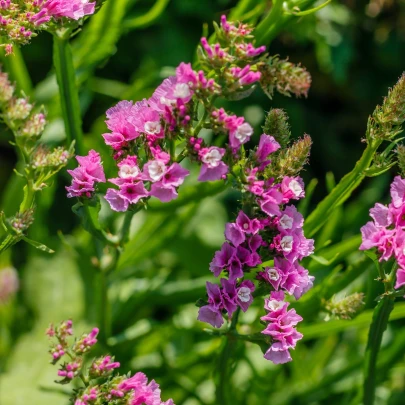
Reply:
x=354, y=52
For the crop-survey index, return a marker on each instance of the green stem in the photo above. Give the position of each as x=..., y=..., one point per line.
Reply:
x=241, y=8
x=378, y=325
x=104, y=310
x=68, y=90
x=341, y=191
x=124, y=232
x=224, y=383
x=7, y=242
x=269, y=21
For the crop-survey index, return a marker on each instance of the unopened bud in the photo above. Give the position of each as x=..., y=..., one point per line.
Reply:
x=276, y=124
x=285, y=77
x=347, y=308
x=22, y=221
x=19, y=109
x=290, y=161
x=35, y=126
x=6, y=88
x=401, y=159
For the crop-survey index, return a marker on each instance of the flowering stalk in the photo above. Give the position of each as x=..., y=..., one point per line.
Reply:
x=39, y=163
x=383, y=239
x=383, y=125
x=99, y=384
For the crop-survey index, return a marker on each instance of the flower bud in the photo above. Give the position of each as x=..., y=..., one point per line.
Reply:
x=19, y=109
x=393, y=108
x=284, y=77
x=347, y=308
x=289, y=162
x=6, y=88
x=22, y=221
x=401, y=159
x=276, y=124
x=35, y=126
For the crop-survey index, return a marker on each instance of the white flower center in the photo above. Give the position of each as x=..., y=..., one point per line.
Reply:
x=287, y=243
x=274, y=305
x=245, y=226
x=212, y=158
x=295, y=187
x=156, y=170
x=127, y=171
x=272, y=273
x=152, y=127
x=244, y=132
x=286, y=222
x=244, y=294
x=167, y=101
x=181, y=90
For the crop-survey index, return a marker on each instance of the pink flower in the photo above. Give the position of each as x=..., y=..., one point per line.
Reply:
x=267, y=145
x=292, y=188
x=398, y=192
x=247, y=225
x=73, y=9
x=213, y=168
x=270, y=202
x=240, y=132
x=129, y=193
x=166, y=180
x=245, y=76
x=89, y=172
x=290, y=219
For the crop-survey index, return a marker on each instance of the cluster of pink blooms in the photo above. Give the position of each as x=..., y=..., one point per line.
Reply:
x=89, y=172
x=386, y=233
x=103, y=386
x=273, y=231
x=144, y=135
x=281, y=328
x=19, y=20
x=73, y=9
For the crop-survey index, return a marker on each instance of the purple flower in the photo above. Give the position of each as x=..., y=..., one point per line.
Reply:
x=270, y=202
x=292, y=188
x=267, y=145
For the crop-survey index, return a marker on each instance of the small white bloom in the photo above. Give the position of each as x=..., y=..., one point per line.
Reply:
x=244, y=294
x=287, y=243
x=181, y=90
x=244, y=132
x=274, y=305
x=295, y=187
x=152, y=127
x=127, y=171
x=286, y=222
x=272, y=273
x=212, y=158
x=156, y=170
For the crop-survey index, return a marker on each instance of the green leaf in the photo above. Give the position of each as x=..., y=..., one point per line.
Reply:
x=379, y=324
x=68, y=91
x=309, y=12
x=147, y=19
x=322, y=329
x=38, y=245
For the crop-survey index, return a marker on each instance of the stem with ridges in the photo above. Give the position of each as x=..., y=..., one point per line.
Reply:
x=68, y=91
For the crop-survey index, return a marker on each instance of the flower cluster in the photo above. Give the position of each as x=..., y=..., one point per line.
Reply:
x=273, y=232
x=40, y=163
x=101, y=385
x=280, y=327
x=89, y=172
x=145, y=136
x=20, y=20
x=386, y=233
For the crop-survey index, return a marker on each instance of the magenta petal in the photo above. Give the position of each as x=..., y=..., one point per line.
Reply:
x=117, y=203
x=210, y=315
x=164, y=194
